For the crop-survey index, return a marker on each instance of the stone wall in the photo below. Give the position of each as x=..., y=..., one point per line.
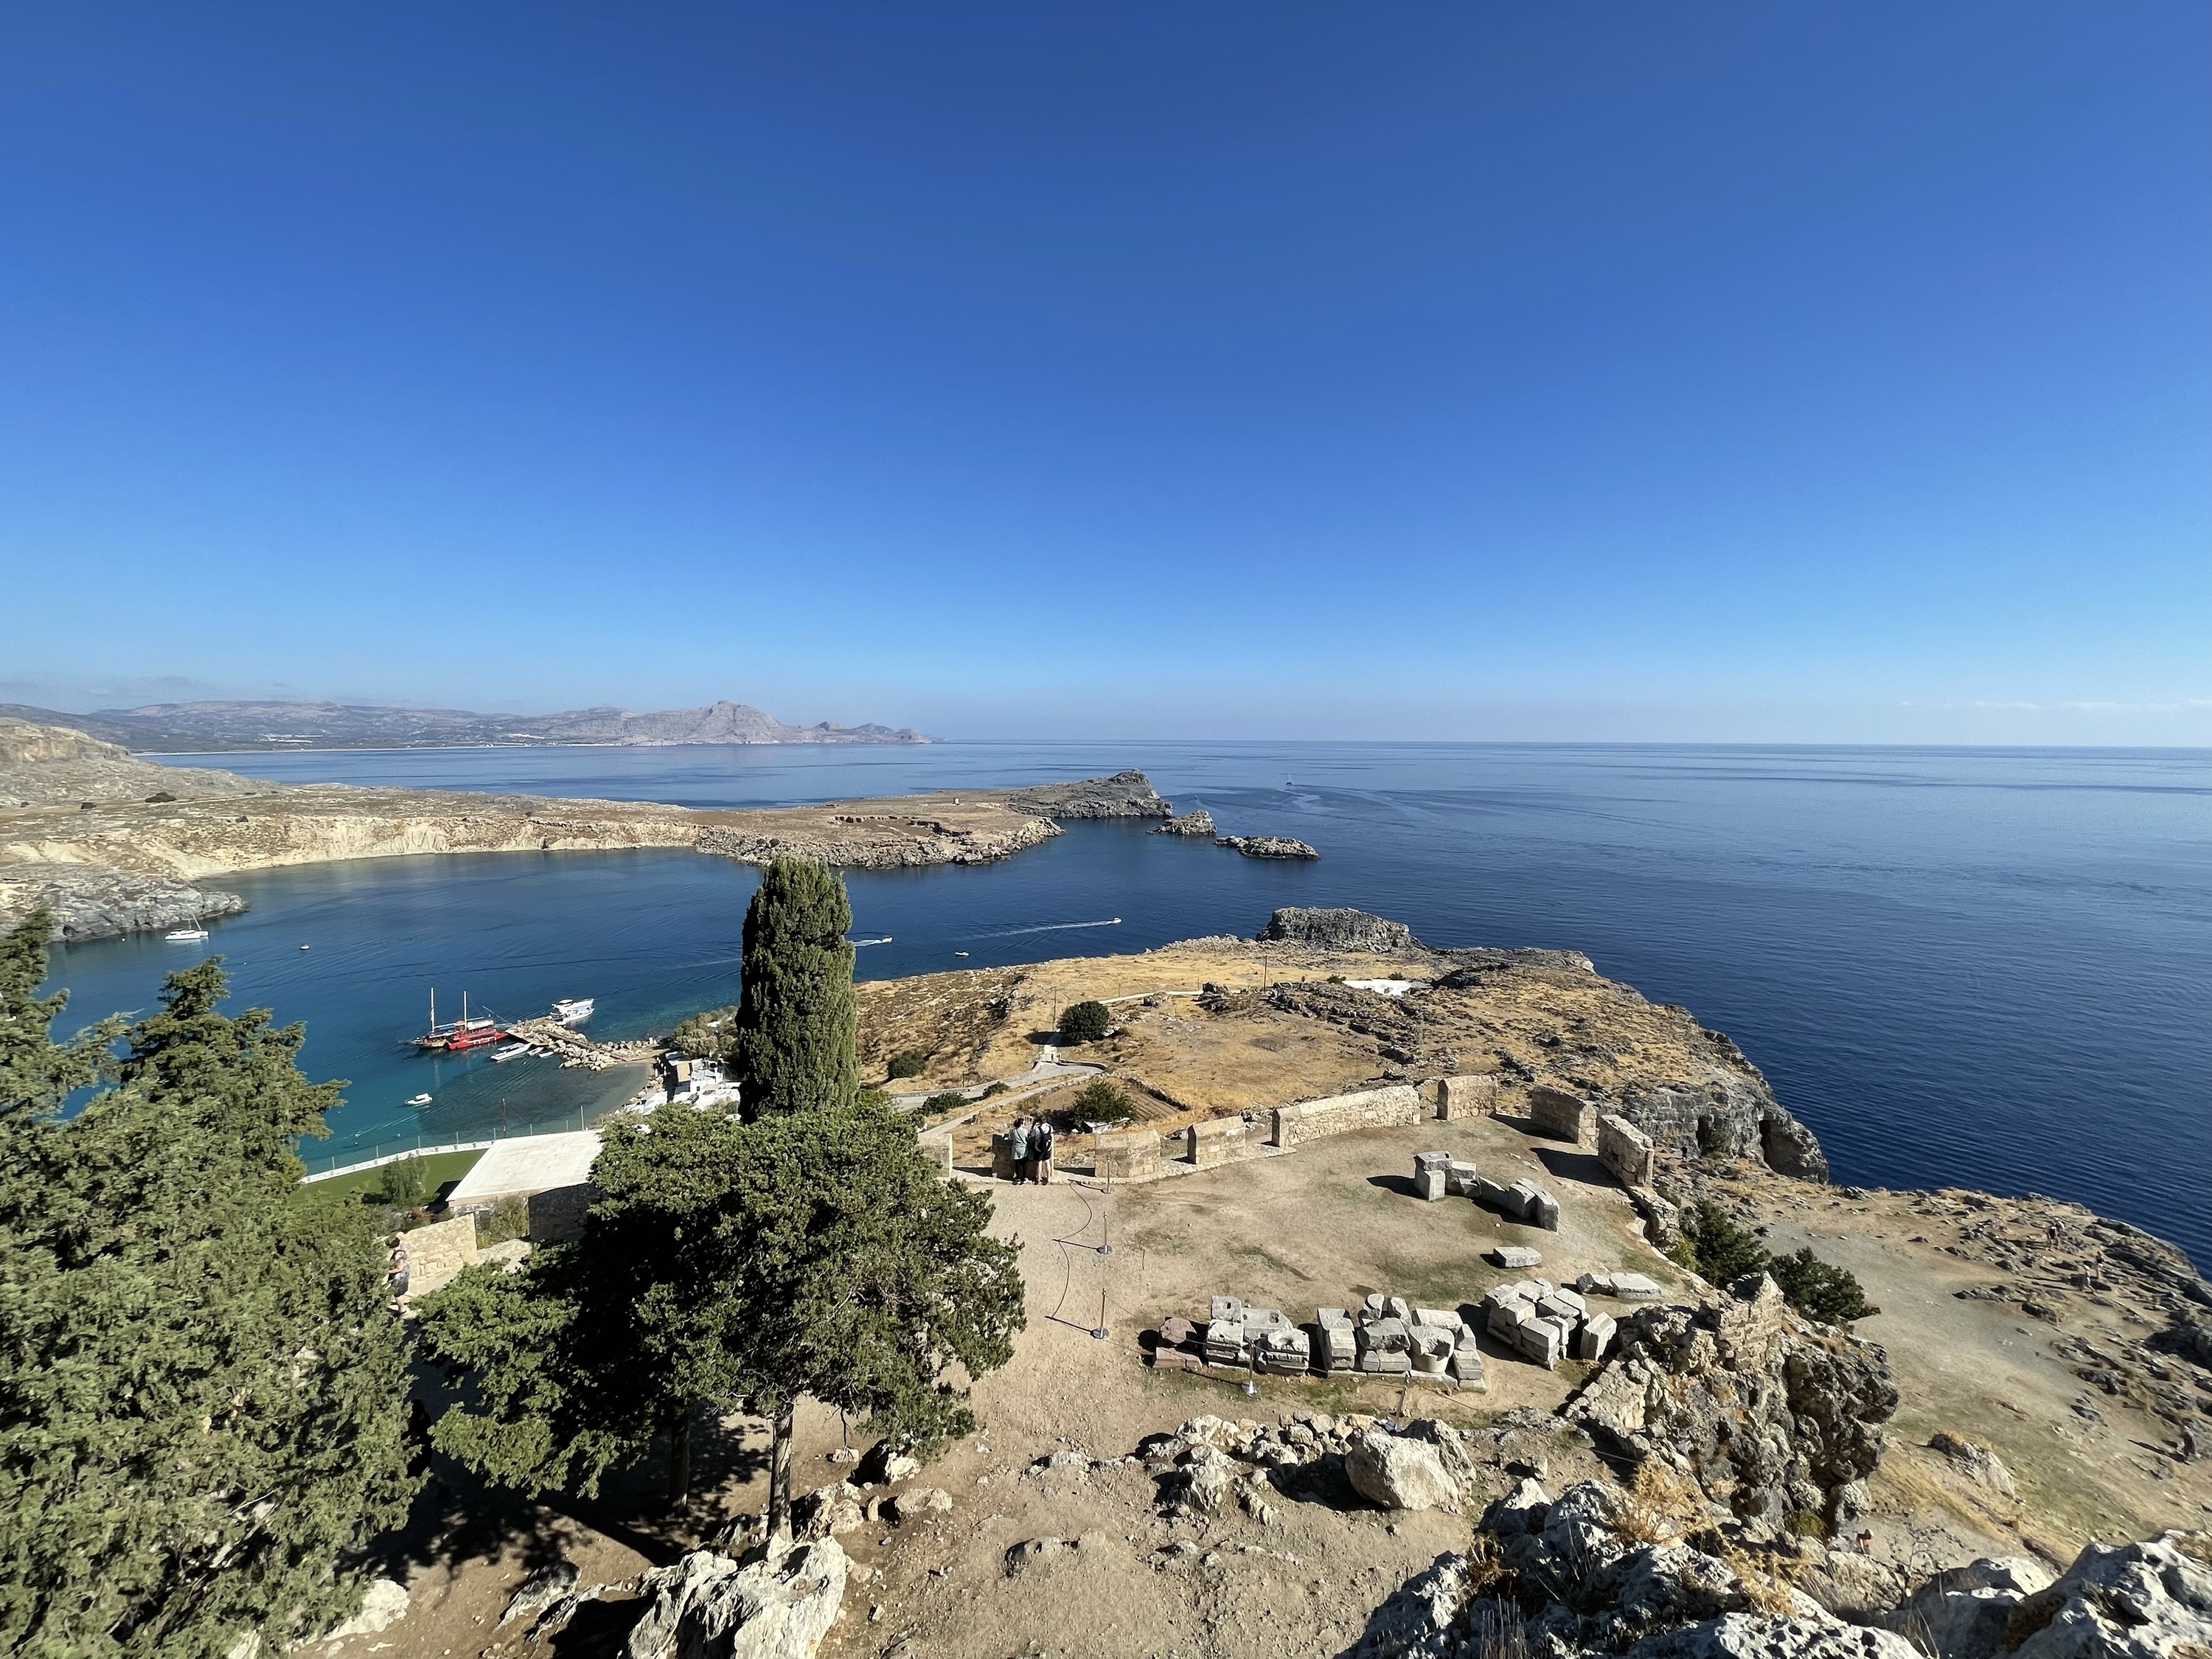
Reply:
x=436, y=1254
x=557, y=1215
x=1624, y=1149
x=1570, y=1117
x=1470, y=1096
x=1127, y=1155
x=1369, y=1108
x=1221, y=1141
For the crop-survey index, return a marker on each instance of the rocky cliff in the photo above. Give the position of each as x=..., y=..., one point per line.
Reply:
x=92, y=902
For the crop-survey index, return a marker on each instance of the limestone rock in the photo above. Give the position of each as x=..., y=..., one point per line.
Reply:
x=1976, y=1461
x=1767, y=1407
x=1267, y=847
x=539, y=1591
x=1199, y=823
x=1336, y=930
x=383, y=1605
x=2146, y=1601
x=91, y=900
x=1755, y=1636
x=710, y=1606
x=1399, y=1473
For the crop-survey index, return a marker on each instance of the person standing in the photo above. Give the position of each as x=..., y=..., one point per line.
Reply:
x=1041, y=1152
x=1017, y=1142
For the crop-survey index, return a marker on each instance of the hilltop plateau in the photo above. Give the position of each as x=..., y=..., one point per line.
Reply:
x=1728, y=1477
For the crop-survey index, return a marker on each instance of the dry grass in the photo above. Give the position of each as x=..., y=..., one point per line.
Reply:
x=1660, y=1505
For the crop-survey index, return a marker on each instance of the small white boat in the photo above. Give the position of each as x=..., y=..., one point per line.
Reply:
x=418, y=1100
x=573, y=1011
x=513, y=1051
x=185, y=935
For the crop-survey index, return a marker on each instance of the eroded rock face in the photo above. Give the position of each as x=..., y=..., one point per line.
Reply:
x=708, y=1606
x=89, y=901
x=1125, y=795
x=1199, y=823
x=1733, y=1114
x=2147, y=1600
x=1772, y=1415
x=1266, y=847
x=1341, y=929
x=1601, y=1571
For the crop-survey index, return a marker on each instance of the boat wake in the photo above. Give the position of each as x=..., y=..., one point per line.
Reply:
x=1053, y=927
x=857, y=943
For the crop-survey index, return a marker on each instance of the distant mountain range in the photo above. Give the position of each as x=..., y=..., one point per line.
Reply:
x=227, y=727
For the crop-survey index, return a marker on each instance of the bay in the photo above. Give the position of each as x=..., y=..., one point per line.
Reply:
x=1980, y=967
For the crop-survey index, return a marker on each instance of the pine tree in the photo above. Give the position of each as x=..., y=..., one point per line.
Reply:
x=202, y=1386
x=812, y=1251
x=796, y=1017
x=860, y=1277
x=592, y=1349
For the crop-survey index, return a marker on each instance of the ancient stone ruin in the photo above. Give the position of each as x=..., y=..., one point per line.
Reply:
x=1562, y=1116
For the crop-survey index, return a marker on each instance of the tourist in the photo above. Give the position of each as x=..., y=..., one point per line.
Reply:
x=1041, y=1152
x=1018, y=1141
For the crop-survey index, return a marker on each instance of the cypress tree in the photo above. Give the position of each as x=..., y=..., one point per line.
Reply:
x=797, y=1016
x=203, y=1389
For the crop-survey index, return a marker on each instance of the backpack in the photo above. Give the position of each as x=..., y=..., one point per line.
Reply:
x=1040, y=1140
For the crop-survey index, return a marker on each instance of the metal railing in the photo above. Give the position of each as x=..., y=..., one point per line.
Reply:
x=325, y=1161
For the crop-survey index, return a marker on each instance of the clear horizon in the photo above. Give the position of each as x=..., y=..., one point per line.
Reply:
x=1841, y=375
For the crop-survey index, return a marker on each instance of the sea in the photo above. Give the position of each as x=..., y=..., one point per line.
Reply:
x=1989, y=968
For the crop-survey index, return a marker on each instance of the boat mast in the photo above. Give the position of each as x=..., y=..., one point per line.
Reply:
x=433, y=1010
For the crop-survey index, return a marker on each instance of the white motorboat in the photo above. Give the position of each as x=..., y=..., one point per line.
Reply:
x=513, y=1051
x=573, y=1011
x=418, y=1100
x=185, y=935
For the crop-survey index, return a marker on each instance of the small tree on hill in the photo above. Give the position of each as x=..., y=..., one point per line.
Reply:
x=203, y=1389
x=1102, y=1102
x=1087, y=1022
x=797, y=1018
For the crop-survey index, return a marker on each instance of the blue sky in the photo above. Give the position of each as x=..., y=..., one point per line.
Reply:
x=1713, y=371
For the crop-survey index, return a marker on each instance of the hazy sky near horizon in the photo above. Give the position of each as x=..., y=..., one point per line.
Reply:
x=1827, y=372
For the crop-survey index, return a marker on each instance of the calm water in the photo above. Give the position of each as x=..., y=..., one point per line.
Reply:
x=1989, y=966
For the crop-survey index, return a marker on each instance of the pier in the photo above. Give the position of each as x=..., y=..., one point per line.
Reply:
x=574, y=1049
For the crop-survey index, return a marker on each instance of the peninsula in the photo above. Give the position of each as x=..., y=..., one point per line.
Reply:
x=112, y=843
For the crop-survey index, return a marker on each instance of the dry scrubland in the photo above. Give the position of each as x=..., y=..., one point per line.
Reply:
x=2060, y=1360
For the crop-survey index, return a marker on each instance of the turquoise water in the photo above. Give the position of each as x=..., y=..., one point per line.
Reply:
x=1987, y=967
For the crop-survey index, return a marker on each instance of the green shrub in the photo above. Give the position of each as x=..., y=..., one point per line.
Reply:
x=1807, y=1524
x=944, y=1100
x=1715, y=1246
x=994, y=1089
x=406, y=1183
x=1830, y=1294
x=910, y=1062
x=161, y=795
x=1724, y=1251
x=1102, y=1102
x=508, y=1219
x=708, y=1034
x=1087, y=1022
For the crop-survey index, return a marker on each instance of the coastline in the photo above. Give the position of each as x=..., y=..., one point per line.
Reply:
x=114, y=866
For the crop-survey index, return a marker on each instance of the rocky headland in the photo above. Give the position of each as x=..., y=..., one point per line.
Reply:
x=88, y=827
x=2003, y=1458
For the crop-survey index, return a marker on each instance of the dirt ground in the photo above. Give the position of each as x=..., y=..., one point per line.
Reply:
x=2087, y=1464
